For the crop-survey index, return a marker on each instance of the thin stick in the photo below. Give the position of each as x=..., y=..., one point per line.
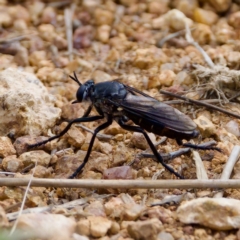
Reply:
x=68, y=24
x=200, y=103
x=23, y=202
x=12, y=216
x=200, y=169
x=170, y=36
x=203, y=100
x=123, y=184
x=172, y=155
x=234, y=156
x=190, y=40
x=99, y=135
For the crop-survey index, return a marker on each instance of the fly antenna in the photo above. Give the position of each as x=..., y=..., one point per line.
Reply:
x=75, y=78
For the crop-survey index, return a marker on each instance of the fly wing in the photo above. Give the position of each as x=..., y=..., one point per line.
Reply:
x=157, y=111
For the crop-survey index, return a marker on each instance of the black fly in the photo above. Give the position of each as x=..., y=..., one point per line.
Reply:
x=116, y=101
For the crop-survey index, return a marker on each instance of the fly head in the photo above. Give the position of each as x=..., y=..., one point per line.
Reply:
x=84, y=91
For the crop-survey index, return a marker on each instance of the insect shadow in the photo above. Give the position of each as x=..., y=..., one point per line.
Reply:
x=115, y=101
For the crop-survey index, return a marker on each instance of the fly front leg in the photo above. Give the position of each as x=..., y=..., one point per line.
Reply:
x=77, y=120
x=151, y=145
x=98, y=129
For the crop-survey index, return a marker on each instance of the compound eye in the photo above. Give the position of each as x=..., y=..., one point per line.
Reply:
x=81, y=93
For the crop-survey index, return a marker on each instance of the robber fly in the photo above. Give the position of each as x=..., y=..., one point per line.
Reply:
x=116, y=101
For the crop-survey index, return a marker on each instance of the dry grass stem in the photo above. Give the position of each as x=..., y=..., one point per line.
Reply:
x=68, y=25
x=190, y=40
x=200, y=103
x=12, y=216
x=170, y=36
x=233, y=158
x=200, y=169
x=99, y=135
x=121, y=184
x=23, y=202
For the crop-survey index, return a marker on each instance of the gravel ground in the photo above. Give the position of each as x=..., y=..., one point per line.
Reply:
x=186, y=47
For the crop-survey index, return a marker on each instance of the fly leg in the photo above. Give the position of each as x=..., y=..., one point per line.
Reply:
x=151, y=145
x=98, y=129
x=195, y=146
x=77, y=120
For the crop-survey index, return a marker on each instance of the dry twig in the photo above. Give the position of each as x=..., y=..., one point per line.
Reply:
x=68, y=24
x=121, y=184
x=200, y=169
x=99, y=135
x=23, y=202
x=229, y=167
x=190, y=40
x=200, y=103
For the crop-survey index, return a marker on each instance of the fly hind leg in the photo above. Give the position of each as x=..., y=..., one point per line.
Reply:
x=151, y=145
x=195, y=146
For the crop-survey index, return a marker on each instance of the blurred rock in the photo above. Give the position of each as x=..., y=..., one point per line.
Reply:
x=103, y=17
x=104, y=147
x=202, y=33
x=49, y=15
x=220, y=5
x=183, y=78
x=41, y=172
x=66, y=165
x=138, y=140
x=98, y=162
x=234, y=20
x=186, y=6
x=27, y=107
x=36, y=225
x=113, y=207
x=83, y=36
x=4, y=220
x=120, y=155
x=114, y=129
x=232, y=127
x=173, y=19
x=131, y=211
x=71, y=111
x=145, y=230
x=215, y=213
x=21, y=57
x=204, y=16
x=87, y=140
x=75, y=137
x=6, y=147
x=99, y=226
x=206, y=127
x=164, y=236
x=144, y=58
x=38, y=156
x=103, y=33
x=227, y=138
x=100, y=76
x=19, y=12
x=83, y=227
x=46, y=32
x=95, y=209
x=35, y=9
x=21, y=143
x=5, y=18
x=158, y=7
x=233, y=58
x=124, y=172
x=166, y=78
x=12, y=164
x=60, y=42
